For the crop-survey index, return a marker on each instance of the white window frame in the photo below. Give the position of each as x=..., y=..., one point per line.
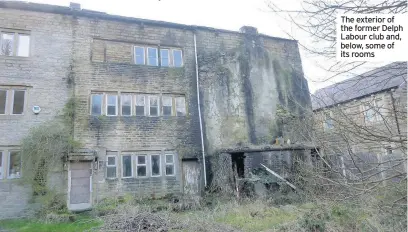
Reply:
x=121, y=104
x=144, y=104
x=12, y=101
x=2, y=165
x=158, y=105
x=131, y=166
x=185, y=105
x=173, y=163
x=91, y=101
x=6, y=101
x=141, y=165
x=171, y=105
x=115, y=165
x=148, y=58
x=16, y=41
x=169, y=57
x=151, y=165
x=135, y=55
x=172, y=55
x=8, y=165
x=107, y=104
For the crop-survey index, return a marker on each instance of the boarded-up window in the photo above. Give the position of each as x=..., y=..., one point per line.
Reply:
x=3, y=101
x=18, y=101
x=140, y=105
x=141, y=166
x=180, y=106
x=14, y=170
x=127, y=166
x=155, y=165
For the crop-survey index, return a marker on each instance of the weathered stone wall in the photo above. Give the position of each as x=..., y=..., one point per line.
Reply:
x=44, y=75
x=243, y=79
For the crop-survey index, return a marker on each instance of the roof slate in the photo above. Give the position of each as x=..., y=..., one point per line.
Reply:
x=377, y=80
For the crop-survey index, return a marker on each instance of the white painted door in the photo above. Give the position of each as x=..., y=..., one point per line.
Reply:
x=191, y=174
x=80, y=186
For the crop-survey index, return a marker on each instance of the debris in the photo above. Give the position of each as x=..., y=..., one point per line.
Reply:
x=281, y=178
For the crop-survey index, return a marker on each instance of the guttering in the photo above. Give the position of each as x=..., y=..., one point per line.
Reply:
x=199, y=109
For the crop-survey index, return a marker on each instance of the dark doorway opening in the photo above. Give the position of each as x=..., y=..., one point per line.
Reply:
x=238, y=160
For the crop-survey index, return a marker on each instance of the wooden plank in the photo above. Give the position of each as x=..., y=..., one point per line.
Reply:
x=279, y=177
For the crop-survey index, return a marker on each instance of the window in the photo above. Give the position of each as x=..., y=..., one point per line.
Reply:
x=14, y=170
x=169, y=165
x=3, y=101
x=14, y=44
x=111, y=167
x=155, y=165
x=140, y=105
x=96, y=104
x=141, y=166
x=127, y=170
x=164, y=57
x=111, y=105
x=372, y=111
x=18, y=101
x=1, y=165
x=126, y=101
x=180, y=106
x=139, y=53
x=177, y=58
x=167, y=106
x=152, y=56
x=153, y=106
x=328, y=121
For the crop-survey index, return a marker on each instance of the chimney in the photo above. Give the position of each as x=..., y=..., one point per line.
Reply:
x=74, y=6
x=249, y=30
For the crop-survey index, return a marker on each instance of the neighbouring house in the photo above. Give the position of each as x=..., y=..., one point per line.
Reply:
x=156, y=101
x=361, y=123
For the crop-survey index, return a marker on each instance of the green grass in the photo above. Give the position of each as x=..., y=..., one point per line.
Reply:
x=23, y=225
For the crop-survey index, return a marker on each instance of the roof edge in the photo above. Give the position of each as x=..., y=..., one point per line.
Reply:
x=55, y=9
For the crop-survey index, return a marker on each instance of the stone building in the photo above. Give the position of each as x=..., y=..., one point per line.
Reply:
x=361, y=123
x=155, y=101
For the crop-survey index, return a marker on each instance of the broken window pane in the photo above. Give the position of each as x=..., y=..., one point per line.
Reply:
x=14, y=165
x=140, y=105
x=167, y=106
x=155, y=165
x=152, y=56
x=141, y=171
x=111, y=105
x=180, y=106
x=23, y=45
x=126, y=166
x=177, y=58
x=3, y=100
x=7, y=44
x=18, y=102
x=126, y=105
x=139, y=55
x=164, y=57
x=96, y=104
x=154, y=106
